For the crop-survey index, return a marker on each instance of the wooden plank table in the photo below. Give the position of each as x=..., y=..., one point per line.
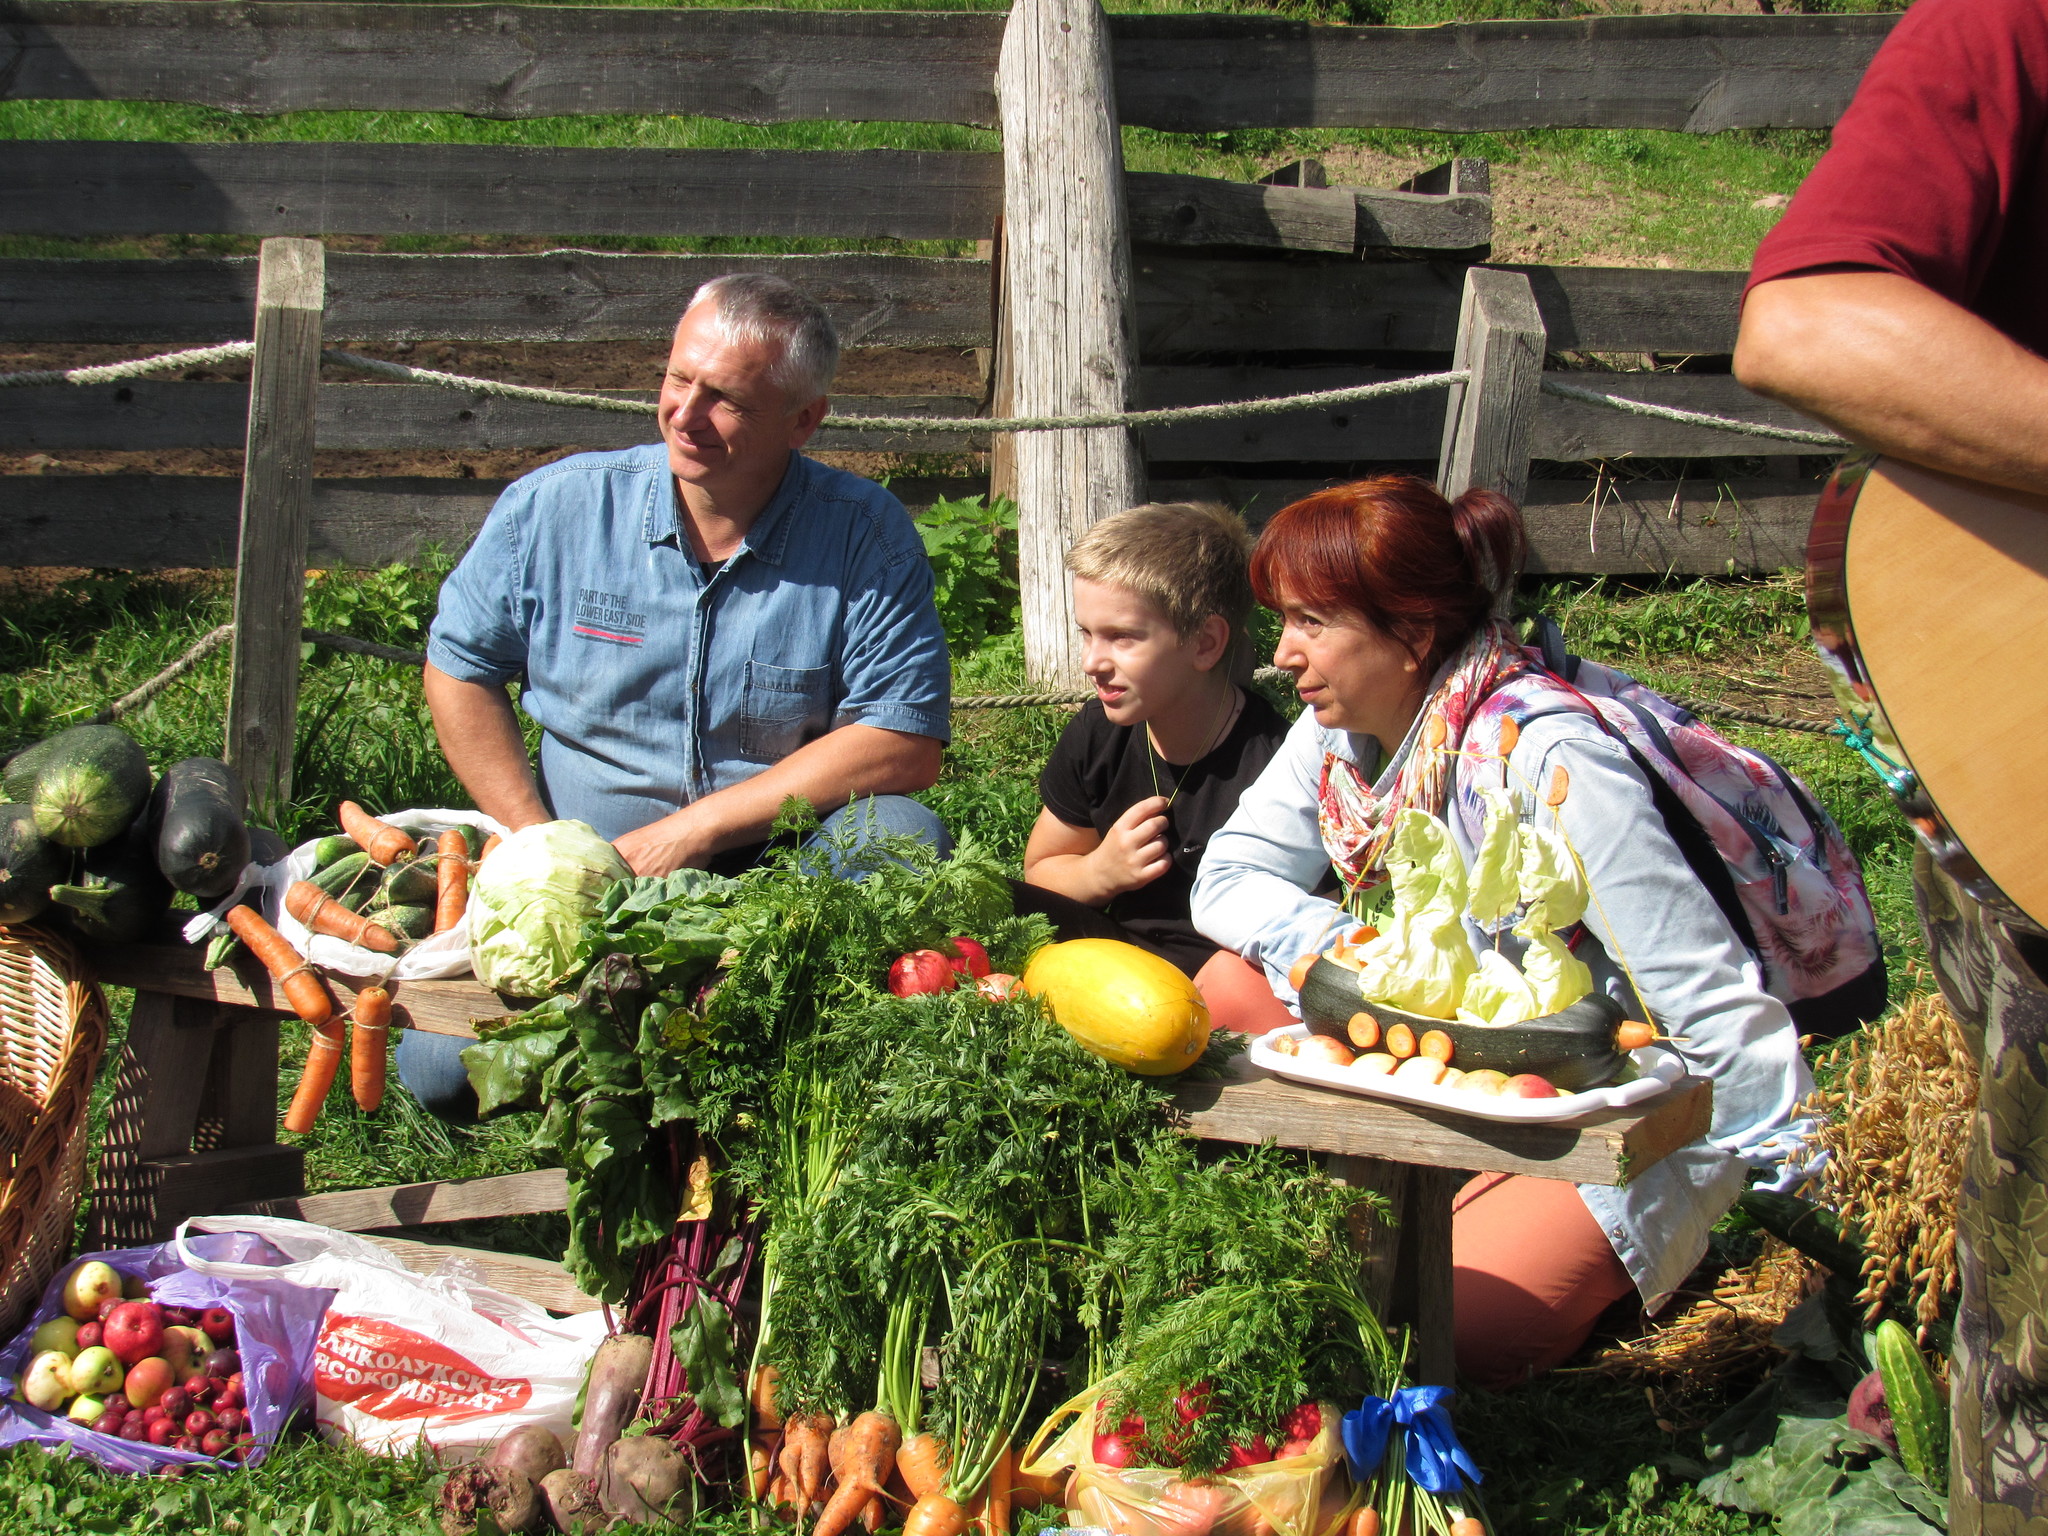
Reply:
x=192, y=1130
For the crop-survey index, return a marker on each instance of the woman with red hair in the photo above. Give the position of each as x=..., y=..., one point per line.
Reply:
x=1418, y=697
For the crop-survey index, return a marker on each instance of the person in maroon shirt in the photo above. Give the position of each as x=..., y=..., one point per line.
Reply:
x=1904, y=300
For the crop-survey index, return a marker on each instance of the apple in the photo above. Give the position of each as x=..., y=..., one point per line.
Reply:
x=97, y=1371
x=922, y=971
x=1527, y=1085
x=133, y=1331
x=233, y=1420
x=47, y=1381
x=134, y=1287
x=186, y=1348
x=85, y=1408
x=59, y=1333
x=132, y=1428
x=1114, y=1451
x=113, y=1416
x=1248, y=1455
x=106, y=1307
x=88, y=1334
x=1485, y=1080
x=223, y=1363
x=161, y=1431
x=215, y=1442
x=229, y=1397
x=237, y=1385
x=973, y=959
x=148, y=1380
x=1304, y=1421
x=184, y=1317
x=199, y=1421
x=999, y=986
x=185, y=1443
x=1289, y=1448
x=200, y=1389
x=89, y=1285
x=218, y=1324
x=156, y=1410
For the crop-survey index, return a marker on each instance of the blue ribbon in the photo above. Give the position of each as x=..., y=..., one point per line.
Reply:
x=1435, y=1458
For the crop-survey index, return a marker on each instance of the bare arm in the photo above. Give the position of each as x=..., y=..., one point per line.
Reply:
x=480, y=737
x=839, y=766
x=1094, y=869
x=1894, y=366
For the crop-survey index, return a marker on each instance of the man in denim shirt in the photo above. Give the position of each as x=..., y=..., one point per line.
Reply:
x=705, y=626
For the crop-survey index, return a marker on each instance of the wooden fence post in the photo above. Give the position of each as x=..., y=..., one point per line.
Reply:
x=277, y=493
x=1489, y=422
x=1066, y=303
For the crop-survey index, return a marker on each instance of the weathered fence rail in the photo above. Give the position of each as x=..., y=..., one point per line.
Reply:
x=1182, y=73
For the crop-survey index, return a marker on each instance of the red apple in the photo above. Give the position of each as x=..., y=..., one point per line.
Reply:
x=1248, y=1455
x=233, y=1420
x=1527, y=1085
x=175, y=1403
x=148, y=1379
x=999, y=986
x=132, y=1428
x=200, y=1389
x=161, y=1432
x=106, y=1306
x=1303, y=1422
x=241, y=1448
x=215, y=1442
x=237, y=1386
x=89, y=1336
x=1192, y=1403
x=222, y=1364
x=199, y=1421
x=922, y=971
x=973, y=959
x=1289, y=1448
x=154, y=1412
x=112, y=1418
x=219, y=1324
x=229, y=1397
x=185, y=1443
x=134, y=1331
x=183, y=1317
x=1114, y=1451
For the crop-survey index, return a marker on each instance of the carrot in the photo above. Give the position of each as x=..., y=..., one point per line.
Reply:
x=766, y=1414
x=323, y=914
x=835, y=1448
x=999, y=1486
x=935, y=1515
x=452, y=893
x=867, y=1447
x=1468, y=1525
x=1363, y=1029
x=1400, y=1041
x=302, y=988
x=366, y=1059
x=788, y=1461
x=1297, y=973
x=812, y=1434
x=1436, y=1045
x=489, y=843
x=384, y=843
x=323, y=1060
x=871, y=1514
x=1039, y=1488
x=1365, y=1521
x=759, y=1465
x=922, y=1461
x=1634, y=1034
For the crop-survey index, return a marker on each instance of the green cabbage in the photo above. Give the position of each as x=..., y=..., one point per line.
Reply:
x=530, y=901
x=1495, y=883
x=1422, y=959
x=1499, y=994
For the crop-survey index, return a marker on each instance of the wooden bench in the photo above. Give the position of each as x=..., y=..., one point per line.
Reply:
x=192, y=1131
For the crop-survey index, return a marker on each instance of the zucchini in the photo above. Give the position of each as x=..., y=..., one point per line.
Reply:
x=330, y=850
x=88, y=784
x=29, y=865
x=410, y=923
x=199, y=820
x=1573, y=1048
x=1919, y=1413
x=123, y=895
x=266, y=847
x=410, y=882
x=18, y=779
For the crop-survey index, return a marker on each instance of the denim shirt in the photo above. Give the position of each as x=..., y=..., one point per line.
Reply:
x=655, y=685
x=1648, y=910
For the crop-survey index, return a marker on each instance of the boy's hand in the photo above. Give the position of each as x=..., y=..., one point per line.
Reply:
x=1133, y=851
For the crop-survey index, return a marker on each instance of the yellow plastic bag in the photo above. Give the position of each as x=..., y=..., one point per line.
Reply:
x=1306, y=1495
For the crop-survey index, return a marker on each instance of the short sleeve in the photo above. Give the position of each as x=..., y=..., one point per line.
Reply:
x=894, y=668
x=477, y=636
x=1937, y=150
x=1062, y=784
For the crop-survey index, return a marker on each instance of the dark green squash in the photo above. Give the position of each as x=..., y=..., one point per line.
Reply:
x=29, y=865
x=122, y=897
x=199, y=817
x=1573, y=1048
x=266, y=847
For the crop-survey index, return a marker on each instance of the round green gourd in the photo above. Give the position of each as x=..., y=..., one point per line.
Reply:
x=89, y=784
x=29, y=865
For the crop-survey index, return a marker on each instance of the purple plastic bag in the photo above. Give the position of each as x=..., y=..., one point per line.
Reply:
x=276, y=1324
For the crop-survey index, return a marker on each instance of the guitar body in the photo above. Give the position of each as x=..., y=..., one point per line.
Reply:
x=1929, y=598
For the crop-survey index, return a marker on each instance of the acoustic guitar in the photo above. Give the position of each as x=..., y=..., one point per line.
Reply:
x=1929, y=598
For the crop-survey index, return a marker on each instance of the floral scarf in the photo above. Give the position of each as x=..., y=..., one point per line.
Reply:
x=1355, y=822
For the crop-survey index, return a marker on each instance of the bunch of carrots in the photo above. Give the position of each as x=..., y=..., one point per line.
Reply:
x=307, y=993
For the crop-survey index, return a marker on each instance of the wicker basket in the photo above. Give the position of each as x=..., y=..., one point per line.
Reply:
x=53, y=1032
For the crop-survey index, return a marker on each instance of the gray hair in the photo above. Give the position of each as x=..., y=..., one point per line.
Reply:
x=757, y=307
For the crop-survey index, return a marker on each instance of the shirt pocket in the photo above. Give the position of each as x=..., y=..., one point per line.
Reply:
x=785, y=707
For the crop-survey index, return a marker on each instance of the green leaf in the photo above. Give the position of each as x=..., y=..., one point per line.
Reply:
x=507, y=1073
x=703, y=1343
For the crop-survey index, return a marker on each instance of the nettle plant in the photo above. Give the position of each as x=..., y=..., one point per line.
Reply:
x=972, y=545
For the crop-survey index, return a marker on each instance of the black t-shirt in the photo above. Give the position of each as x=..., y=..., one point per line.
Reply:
x=1099, y=770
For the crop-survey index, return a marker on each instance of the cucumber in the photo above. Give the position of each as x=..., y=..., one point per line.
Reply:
x=352, y=875
x=1574, y=1048
x=472, y=839
x=411, y=923
x=29, y=865
x=410, y=882
x=198, y=814
x=331, y=850
x=123, y=895
x=1919, y=1412
x=88, y=784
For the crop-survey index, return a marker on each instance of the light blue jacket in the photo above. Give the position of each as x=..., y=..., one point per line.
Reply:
x=1692, y=975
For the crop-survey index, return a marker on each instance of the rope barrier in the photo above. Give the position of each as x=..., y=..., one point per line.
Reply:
x=135, y=368
x=1630, y=407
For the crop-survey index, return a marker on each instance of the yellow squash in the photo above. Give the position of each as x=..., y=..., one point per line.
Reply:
x=1123, y=1003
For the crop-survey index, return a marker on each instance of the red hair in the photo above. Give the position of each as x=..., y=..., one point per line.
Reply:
x=1425, y=571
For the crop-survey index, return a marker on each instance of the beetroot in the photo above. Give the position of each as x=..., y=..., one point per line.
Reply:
x=572, y=1502
x=618, y=1375
x=532, y=1449
x=513, y=1501
x=1869, y=1413
x=646, y=1479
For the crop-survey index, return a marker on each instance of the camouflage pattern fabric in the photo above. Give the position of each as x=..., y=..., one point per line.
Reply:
x=1996, y=980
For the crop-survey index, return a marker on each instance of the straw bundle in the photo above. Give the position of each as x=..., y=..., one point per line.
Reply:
x=1897, y=1120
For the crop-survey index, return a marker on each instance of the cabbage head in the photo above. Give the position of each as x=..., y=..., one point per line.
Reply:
x=530, y=901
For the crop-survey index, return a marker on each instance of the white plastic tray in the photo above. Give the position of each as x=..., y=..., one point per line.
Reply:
x=1660, y=1069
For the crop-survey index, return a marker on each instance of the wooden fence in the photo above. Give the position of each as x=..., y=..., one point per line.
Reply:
x=1235, y=291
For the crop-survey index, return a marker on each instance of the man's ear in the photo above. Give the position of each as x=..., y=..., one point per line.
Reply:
x=806, y=420
x=1212, y=641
